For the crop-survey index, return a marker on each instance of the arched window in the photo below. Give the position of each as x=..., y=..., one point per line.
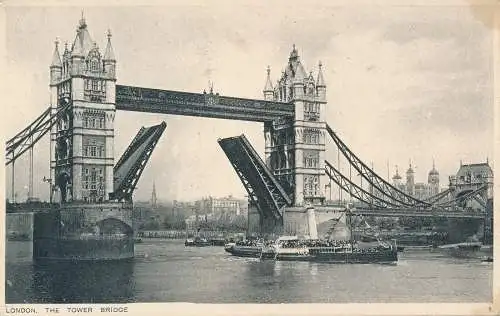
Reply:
x=94, y=65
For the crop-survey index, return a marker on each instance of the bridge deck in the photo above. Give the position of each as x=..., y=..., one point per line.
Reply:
x=139, y=99
x=404, y=212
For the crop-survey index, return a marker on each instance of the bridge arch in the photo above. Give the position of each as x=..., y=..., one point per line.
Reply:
x=114, y=226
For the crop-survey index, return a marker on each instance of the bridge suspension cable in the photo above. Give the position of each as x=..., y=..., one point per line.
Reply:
x=467, y=196
x=354, y=190
x=29, y=136
x=438, y=197
x=375, y=180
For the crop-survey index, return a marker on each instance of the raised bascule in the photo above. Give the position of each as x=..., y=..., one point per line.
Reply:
x=91, y=218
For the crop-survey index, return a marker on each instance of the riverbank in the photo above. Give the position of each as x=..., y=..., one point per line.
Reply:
x=183, y=234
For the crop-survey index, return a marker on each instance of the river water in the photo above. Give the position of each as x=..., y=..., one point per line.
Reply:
x=166, y=271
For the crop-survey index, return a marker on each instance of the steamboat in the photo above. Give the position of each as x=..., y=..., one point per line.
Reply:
x=293, y=248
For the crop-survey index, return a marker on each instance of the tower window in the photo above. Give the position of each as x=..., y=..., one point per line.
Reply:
x=95, y=90
x=311, y=111
x=311, y=136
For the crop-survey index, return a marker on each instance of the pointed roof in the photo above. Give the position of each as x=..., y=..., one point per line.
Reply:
x=396, y=176
x=321, y=81
x=83, y=43
x=433, y=170
x=300, y=73
x=294, y=70
x=269, y=86
x=56, y=58
x=109, y=54
x=410, y=169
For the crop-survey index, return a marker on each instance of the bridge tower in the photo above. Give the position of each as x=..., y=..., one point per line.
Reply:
x=295, y=148
x=82, y=143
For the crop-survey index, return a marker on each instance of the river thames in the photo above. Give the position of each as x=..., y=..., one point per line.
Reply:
x=166, y=271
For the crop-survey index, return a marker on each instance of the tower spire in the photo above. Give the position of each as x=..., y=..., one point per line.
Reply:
x=269, y=86
x=83, y=23
x=321, y=81
x=294, y=55
x=56, y=58
x=77, y=49
x=109, y=54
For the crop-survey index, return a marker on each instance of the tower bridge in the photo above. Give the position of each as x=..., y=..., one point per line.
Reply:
x=93, y=194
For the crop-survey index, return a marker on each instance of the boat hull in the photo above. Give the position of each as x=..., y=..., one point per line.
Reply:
x=379, y=256
x=246, y=251
x=467, y=250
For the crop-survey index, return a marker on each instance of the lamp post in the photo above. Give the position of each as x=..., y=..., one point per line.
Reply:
x=51, y=189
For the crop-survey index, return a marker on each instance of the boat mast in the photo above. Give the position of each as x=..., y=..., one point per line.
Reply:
x=348, y=219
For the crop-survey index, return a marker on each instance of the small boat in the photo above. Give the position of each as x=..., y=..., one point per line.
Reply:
x=197, y=242
x=463, y=250
x=244, y=248
x=217, y=241
x=487, y=259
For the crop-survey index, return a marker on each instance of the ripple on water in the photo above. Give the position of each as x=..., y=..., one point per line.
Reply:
x=166, y=271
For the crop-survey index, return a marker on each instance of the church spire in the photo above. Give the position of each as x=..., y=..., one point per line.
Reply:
x=56, y=58
x=153, y=196
x=109, y=54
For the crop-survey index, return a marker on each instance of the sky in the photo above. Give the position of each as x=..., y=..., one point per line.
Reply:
x=403, y=83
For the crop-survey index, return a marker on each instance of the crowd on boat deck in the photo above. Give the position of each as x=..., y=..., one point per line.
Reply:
x=315, y=243
x=259, y=242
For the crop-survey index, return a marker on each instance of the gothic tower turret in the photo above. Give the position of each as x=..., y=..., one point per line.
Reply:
x=410, y=181
x=109, y=59
x=320, y=84
x=268, y=88
x=295, y=149
x=396, y=179
x=82, y=144
x=433, y=180
x=55, y=66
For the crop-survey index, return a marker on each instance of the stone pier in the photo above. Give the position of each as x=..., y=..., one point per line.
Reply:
x=314, y=222
x=101, y=231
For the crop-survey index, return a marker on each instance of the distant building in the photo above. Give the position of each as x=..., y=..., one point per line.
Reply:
x=419, y=190
x=473, y=176
x=184, y=209
x=220, y=207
